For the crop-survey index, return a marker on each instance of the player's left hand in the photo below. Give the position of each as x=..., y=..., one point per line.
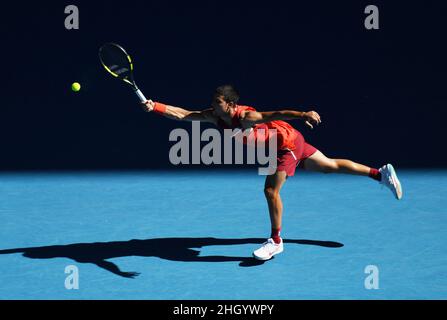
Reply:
x=312, y=118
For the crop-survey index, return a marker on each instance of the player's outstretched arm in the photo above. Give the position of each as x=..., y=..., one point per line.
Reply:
x=250, y=118
x=180, y=114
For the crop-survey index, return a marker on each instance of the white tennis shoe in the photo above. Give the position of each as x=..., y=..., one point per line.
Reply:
x=268, y=250
x=390, y=180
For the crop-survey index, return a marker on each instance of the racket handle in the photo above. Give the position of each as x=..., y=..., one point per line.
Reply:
x=140, y=95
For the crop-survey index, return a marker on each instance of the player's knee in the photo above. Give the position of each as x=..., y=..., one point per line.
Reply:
x=330, y=166
x=271, y=193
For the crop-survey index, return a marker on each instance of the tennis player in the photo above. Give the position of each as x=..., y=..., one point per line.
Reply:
x=293, y=150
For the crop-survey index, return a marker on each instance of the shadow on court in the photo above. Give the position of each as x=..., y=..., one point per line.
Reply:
x=174, y=249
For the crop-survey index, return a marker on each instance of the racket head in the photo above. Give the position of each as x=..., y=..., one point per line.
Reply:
x=117, y=62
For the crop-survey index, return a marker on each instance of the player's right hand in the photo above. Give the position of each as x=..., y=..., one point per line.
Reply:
x=148, y=106
x=312, y=118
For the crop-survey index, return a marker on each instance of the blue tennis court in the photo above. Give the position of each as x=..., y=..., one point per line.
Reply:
x=181, y=235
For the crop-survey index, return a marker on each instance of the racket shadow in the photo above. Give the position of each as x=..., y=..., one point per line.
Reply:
x=173, y=249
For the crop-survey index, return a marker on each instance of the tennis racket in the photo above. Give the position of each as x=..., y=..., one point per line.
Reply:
x=119, y=64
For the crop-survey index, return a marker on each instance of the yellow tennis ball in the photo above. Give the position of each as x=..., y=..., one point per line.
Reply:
x=75, y=87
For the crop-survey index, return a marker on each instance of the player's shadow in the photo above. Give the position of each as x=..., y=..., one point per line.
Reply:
x=174, y=249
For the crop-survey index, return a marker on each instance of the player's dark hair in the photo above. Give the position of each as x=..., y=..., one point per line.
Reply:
x=228, y=92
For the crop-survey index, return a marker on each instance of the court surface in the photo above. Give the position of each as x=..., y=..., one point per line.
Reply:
x=190, y=235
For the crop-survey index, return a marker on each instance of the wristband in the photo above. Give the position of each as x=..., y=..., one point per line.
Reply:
x=159, y=108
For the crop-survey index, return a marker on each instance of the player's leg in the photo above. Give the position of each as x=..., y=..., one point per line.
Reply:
x=385, y=175
x=320, y=163
x=272, y=188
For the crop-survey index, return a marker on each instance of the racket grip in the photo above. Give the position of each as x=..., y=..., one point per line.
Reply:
x=140, y=95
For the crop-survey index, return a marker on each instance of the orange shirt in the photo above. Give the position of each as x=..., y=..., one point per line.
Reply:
x=285, y=133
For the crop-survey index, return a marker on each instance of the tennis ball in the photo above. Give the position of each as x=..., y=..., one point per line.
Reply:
x=75, y=87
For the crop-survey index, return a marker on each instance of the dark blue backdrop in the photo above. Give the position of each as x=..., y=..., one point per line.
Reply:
x=381, y=94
